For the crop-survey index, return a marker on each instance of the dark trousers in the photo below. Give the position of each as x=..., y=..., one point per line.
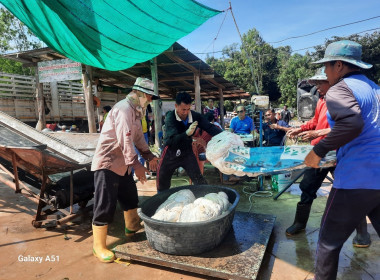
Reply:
x=311, y=182
x=110, y=188
x=170, y=161
x=344, y=211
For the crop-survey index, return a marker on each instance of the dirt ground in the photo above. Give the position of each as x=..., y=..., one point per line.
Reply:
x=65, y=252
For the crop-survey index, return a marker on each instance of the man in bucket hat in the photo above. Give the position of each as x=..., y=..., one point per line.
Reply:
x=114, y=158
x=353, y=104
x=315, y=130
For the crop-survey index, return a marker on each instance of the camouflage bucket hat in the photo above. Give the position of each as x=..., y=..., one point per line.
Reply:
x=145, y=85
x=347, y=51
x=320, y=75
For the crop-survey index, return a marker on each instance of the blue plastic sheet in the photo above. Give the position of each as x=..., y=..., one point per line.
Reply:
x=272, y=160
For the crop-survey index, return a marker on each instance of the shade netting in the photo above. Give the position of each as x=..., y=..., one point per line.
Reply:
x=110, y=34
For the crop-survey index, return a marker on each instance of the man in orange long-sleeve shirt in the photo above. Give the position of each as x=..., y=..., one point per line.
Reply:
x=315, y=130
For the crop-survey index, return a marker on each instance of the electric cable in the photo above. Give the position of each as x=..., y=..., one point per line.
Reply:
x=319, y=31
x=267, y=54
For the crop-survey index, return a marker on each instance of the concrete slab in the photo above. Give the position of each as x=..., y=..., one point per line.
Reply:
x=238, y=257
x=285, y=258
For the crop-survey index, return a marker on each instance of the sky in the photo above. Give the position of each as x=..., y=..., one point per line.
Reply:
x=279, y=19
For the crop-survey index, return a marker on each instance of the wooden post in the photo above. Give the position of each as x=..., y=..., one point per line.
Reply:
x=98, y=109
x=221, y=107
x=87, y=88
x=54, y=101
x=157, y=105
x=41, y=124
x=197, y=93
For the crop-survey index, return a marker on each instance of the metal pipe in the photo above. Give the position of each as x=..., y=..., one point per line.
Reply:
x=22, y=191
x=288, y=186
x=15, y=172
x=71, y=191
x=70, y=217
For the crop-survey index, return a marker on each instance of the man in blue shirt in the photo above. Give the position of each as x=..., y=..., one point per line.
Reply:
x=274, y=130
x=241, y=124
x=353, y=103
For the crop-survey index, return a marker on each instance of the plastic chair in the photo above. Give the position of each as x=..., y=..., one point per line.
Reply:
x=199, y=146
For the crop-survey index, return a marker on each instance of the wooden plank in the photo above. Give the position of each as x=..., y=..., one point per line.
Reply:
x=20, y=82
x=184, y=78
x=17, y=76
x=184, y=63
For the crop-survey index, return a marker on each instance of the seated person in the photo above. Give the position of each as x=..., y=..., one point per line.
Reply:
x=241, y=124
x=52, y=126
x=106, y=110
x=210, y=108
x=63, y=128
x=274, y=130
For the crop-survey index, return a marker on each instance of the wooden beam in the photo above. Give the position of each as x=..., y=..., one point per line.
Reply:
x=87, y=88
x=197, y=92
x=184, y=63
x=221, y=107
x=59, y=55
x=40, y=104
x=163, y=74
x=29, y=64
x=54, y=101
x=21, y=59
x=128, y=74
x=48, y=56
x=184, y=78
x=216, y=83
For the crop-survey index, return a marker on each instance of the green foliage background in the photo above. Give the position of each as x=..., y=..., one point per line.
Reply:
x=277, y=70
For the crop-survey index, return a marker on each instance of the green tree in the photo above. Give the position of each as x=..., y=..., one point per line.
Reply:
x=236, y=63
x=15, y=36
x=228, y=105
x=293, y=70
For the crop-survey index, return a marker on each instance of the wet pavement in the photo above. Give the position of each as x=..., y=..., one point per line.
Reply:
x=65, y=252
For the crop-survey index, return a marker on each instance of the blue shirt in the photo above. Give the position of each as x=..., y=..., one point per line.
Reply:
x=358, y=162
x=273, y=137
x=242, y=126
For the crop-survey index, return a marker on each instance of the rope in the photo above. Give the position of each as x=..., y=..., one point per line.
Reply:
x=252, y=193
x=217, y=34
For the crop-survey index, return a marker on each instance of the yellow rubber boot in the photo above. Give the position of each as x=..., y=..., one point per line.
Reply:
x=132, y=222
x=99, y=248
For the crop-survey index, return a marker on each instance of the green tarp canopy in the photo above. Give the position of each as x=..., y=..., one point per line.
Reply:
x=110, y=34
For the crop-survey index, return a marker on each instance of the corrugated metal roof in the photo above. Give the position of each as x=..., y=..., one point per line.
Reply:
x=176, y=68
